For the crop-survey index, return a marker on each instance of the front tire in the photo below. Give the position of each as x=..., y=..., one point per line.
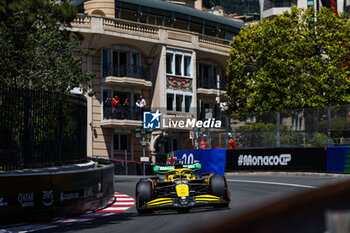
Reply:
x=144, y=194
x=218, y=187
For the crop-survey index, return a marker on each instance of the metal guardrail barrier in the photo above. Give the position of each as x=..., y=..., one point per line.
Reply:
x=32, y=196
x=123, y=167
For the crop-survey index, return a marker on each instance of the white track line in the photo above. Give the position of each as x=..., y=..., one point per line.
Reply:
x=274, y=183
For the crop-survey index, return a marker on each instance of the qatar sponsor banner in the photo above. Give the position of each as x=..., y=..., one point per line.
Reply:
x=277, y=159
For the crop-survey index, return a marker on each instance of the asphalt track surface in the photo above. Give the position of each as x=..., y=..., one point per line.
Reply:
x=246, y=191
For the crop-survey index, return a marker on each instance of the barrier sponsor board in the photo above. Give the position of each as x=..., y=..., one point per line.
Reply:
x=277, y=159
x=42, y=195
x=338, y=159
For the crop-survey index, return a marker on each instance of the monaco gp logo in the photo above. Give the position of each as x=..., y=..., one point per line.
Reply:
x=273, y=160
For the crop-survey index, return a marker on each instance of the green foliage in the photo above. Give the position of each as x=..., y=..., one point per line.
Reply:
x=35, y=49
x=319, y=140
x=290, y=62
x=338, y=125
x=264, y=135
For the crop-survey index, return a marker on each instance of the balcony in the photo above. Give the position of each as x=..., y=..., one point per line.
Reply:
x=121, y=117
x=208, y=86
x=126, y=75
x=145, y=32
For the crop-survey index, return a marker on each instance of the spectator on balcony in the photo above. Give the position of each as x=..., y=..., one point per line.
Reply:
x=126, y=106
x=108, y=107
x=142, y=105
x=137, y=109
x=116, y=107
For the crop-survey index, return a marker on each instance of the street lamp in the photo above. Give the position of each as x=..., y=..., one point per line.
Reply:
x=143, y=142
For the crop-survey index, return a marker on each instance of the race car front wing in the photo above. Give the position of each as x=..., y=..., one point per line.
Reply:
x=184, y=202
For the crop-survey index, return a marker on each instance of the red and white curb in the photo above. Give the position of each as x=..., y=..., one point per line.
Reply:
x=120, y=203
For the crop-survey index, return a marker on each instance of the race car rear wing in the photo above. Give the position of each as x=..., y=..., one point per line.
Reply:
x=164, y=169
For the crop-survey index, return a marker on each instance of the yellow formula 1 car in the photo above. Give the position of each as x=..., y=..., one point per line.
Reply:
x=181, y=189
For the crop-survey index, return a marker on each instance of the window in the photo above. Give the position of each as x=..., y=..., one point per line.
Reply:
x=188, y=101
x=129, y=15
x=178, y=63
x=187, y=66
x=207, y=76
x=169, y=63
x=229, y=36
x=121, y=63
x=179, y=102
x=169, y=102
x=106, y=63
x=179, y=99
x=310, y=3
x=121, y=142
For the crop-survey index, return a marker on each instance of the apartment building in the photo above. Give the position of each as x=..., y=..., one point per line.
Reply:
x=172, y=55
x=271, y=8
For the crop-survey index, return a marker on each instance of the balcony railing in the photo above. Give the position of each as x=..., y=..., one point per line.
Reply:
x=122, y=113
x=126, y=25
x=130, y=71
x=209, y=40
x=146, y=30
x=211, y=83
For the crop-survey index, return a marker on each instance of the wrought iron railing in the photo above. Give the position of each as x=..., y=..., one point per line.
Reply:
x=41, y=129
x=122, y=113
x=131, y=71
x=211, y=83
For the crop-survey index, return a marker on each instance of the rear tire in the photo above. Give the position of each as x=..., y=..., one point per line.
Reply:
x=144, y=194
x=218, y=187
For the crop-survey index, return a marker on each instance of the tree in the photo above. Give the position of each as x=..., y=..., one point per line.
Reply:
x=36, y=50
x=299, y=59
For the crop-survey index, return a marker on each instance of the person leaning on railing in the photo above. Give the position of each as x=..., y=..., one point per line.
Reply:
x=126, y=106
x=137, y=110
x=108, y=107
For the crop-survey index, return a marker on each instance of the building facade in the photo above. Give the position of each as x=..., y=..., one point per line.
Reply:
x=172, y=55
x=271, y=8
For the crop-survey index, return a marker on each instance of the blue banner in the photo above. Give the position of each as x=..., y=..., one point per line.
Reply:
x=338, y=159
x=212, y=160
x=188, y=156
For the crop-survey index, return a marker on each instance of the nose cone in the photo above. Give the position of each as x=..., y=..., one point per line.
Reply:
x=182, y=190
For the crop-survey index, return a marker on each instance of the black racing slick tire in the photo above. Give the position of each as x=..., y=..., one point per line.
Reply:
x=218, y=187
x=144, y=194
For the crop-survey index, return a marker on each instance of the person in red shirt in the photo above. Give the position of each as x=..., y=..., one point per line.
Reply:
x=231, y=143
x=115, y=101
x=203, y=144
